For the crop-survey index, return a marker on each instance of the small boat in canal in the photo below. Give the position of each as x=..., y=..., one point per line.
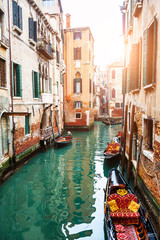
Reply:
x=62, y=141
x=112, y=151
x=125, y=217
x=111, y=121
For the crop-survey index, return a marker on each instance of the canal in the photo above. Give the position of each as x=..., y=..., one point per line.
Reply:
x=59, y=194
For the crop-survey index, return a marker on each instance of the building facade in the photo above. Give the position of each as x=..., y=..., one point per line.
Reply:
x=141, y=88
x=114, y=88
x=32, y=94
x=79, y=77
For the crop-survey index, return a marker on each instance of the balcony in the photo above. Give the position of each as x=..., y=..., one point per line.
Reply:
x=46, y=133
x=4, y=42
x=137, y=7
x=45, y=48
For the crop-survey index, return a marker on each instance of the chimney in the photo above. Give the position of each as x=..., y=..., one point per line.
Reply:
x=68, y=20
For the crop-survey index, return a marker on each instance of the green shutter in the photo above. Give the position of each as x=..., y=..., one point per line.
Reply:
x=35, y=31
x=134, y=67
x=12, y=79
x=139, y=63
x=74, y=104
x=128, y=78
x=19, y=80
x=145, y=40
x=74, y=86
x=26, y=125
x=30, y=23
x=74, y=54
x=81, y=103
x=80, y=85
x=37, y=84
x=15, y=13
x=154, y=50
x=33, y=84
x=20, y=25
x=50, y=85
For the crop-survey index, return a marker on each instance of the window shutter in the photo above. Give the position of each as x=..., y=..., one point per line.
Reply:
x=50, y=85
x=37, y=84
x=80, y=35
x=134, y=67
x=19, y=80
x=145, y=40
x=74, y=86
x=139, y=62
x=80, y=53
x=128, y=78
x=74, y=104
x=26, y=125
x=81, y=103
x=74, y=35
x=154, y=50
x=12, y=79
x=15, y=13
x=30, y=22
x=80, y=85
x=33, y=84
x=20, y=25
x=74, y=54
x=35, y=31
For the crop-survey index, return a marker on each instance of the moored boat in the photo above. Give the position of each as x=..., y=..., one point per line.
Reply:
x=62, y=141
x=112, y=151
x=111, y=121
x=125, y=217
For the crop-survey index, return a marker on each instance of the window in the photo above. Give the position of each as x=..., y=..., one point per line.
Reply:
x=17, y=15
x=17, y=80
x=117, y=105
x=113, y=93
x=35, y=84
x=77, y=35
x=78, y=115
x=148, y=134
x=113, y=74
x=77, y=53
x=149, y=53
x=48, y=3
x=78, y=104
x=2, y=73
x=27, y=130
x=121, y=105
x=32, y=29
x=78, y=83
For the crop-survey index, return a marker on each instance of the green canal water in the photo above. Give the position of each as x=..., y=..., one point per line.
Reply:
x=59, y=194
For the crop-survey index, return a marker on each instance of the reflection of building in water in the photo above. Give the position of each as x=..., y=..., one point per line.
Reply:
x=81, y=184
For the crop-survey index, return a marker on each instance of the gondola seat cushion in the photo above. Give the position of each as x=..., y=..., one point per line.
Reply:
x=122, y=236
x=123, y=215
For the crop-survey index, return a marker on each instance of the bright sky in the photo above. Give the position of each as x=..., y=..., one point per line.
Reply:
x=105, y=21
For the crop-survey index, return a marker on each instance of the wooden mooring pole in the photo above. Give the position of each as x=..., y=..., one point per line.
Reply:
x=124, y=140
x=130, y=144
x=138, y=160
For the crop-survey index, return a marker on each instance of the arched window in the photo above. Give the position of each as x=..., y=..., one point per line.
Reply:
x=78, y=83
x=113, y=93
x=113, y=74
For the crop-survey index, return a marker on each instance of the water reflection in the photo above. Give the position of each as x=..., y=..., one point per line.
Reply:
x=59, y=194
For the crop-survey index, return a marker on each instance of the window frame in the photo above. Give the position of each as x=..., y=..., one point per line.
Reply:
x=80, y=114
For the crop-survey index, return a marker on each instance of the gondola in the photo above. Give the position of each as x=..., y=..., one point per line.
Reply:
x=112, y=151
x=109, y=121
x=125, y=217
x=62, y=141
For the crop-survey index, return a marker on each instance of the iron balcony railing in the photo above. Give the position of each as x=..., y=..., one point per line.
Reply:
x=45, y=48
x=46, y=133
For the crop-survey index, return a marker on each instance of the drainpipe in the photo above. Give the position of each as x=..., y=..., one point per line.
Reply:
x=11, y=89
